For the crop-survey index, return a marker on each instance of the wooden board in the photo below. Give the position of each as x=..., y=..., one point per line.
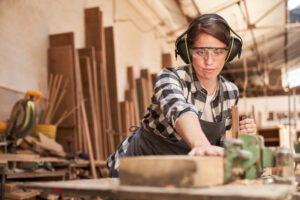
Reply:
x=89, y=95
x=125, y=113
x=94, y=31
x=132, y=96
x=36, y=174
x=20, y=195
x=61, y=61
x=235, y=121
x=111, y=188
x=112, y=82
x=61, y=39
x=49, y=142
x=176, y=171
x=145, y=74
x=166, y=60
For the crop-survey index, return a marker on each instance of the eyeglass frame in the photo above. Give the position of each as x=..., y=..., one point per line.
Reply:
x=215, y=48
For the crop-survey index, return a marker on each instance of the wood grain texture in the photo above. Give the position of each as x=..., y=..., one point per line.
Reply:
x=89, y=95
x=111, y=188
x=166, y=60
x=112, y=82
x=95, y=38
x=177, y=171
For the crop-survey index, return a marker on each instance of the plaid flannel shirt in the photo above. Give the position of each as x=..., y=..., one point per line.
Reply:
x=177, y=91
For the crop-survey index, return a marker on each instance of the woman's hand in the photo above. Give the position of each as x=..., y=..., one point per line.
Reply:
x=208, y=150
x=248, y=126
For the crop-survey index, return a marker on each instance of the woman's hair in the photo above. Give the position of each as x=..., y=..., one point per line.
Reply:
x=211, y=24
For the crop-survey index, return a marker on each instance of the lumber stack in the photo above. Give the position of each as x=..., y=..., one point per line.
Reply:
x=86, y=79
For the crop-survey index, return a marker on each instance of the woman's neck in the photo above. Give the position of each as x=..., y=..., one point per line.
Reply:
x=209, y=85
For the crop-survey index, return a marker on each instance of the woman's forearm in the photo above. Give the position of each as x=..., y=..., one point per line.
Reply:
x=188, y=127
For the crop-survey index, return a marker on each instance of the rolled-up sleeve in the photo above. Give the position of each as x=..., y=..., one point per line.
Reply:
x=170, y=94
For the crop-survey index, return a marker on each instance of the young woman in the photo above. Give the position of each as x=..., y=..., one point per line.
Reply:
x=191, y=105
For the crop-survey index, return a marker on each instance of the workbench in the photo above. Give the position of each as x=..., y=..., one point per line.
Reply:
x=110, y=187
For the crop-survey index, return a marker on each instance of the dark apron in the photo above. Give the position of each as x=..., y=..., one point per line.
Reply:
x=146, y=143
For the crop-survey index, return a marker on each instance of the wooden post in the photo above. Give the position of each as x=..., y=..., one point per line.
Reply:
x=235, y=121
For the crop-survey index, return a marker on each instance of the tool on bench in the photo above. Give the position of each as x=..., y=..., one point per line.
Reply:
x=246, y=157
x=22, y=119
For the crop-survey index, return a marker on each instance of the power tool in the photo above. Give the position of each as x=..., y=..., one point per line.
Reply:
x=22, y=119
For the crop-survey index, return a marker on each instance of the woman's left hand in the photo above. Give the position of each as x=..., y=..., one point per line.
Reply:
x=247, y=126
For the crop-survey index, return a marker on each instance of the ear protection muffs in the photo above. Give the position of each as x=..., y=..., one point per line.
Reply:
x=182, y=45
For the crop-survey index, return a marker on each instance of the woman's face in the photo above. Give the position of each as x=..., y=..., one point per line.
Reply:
x=208, y=55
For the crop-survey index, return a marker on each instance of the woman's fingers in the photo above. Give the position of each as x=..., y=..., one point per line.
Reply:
x=247, y=121
x=207, y=150
x=248, y=126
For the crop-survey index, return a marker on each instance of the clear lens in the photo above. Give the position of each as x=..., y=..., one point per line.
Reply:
x=203, y=52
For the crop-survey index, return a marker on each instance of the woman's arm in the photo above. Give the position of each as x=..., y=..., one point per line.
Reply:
x=188, y=127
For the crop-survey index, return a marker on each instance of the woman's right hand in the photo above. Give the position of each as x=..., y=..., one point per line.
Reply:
x=208, y=150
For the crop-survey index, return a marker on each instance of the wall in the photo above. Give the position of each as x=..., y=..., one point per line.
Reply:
x=26, y=25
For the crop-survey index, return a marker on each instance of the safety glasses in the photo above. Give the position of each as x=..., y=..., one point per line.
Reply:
x=203, y=52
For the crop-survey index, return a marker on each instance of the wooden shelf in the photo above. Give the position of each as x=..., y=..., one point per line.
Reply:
x=271, y=136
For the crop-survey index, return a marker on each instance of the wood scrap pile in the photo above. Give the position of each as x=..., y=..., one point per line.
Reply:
x=12, y=191
x=44, y=146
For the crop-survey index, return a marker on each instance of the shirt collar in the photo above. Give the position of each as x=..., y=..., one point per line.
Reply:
x=196, y=85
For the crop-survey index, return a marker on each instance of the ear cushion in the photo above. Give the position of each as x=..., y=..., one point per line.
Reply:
x=234, y=50
x=182, y=51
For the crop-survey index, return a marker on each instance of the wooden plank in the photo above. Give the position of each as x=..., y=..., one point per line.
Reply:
x=166, y=60
x=235, y=121
x=49, y=142
x=41, y=148
x=148, y=81
x=88, y=137
x=111, y=188
x=129, y=98
x=11, y=186
x=61, y=61
x=90, y=53
x=163, y=171
x=88, y=94
x=153, y=78
x=95, y=37
x=112, y=81
x=62, y=39
x=140, y=96
x=18, y=157
x=36, y=174
x=78, y=99
x=133, y=93
x=125, y=112
x=20, y=195
x=93, y=24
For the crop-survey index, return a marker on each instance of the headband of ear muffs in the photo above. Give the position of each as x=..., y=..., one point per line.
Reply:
x=182, y=47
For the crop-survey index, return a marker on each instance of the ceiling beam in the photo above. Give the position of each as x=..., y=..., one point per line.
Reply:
x=250, y=26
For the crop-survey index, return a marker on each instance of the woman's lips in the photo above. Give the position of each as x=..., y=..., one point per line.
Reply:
x=208, y=70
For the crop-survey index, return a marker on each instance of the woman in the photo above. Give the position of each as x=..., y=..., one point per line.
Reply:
x=191, y=105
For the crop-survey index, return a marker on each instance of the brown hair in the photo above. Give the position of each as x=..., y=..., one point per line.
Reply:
x=211, y=24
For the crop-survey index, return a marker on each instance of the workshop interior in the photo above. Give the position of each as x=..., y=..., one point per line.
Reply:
x=79, y=77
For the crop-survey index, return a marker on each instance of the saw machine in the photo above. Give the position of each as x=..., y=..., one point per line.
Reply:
x=22, y=120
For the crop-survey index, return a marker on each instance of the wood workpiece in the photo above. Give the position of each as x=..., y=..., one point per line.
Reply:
x=173, y=171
